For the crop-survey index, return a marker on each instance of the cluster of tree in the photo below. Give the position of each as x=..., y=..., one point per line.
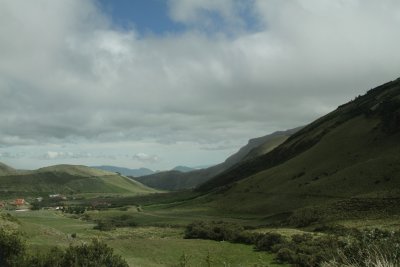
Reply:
x=13, y=253
x=342, y=247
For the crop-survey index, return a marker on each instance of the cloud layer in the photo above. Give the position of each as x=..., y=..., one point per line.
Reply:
x=68, y=75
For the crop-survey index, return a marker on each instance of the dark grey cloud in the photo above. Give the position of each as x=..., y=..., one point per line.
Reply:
x=67, y=76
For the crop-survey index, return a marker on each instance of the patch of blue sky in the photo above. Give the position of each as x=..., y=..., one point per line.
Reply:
x=152, y=17
x=145, y=16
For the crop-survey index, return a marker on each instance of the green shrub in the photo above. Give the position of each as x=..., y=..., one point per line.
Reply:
x=12, y=248
x=286, y=255
x=104, y=226
x=213, y=230
x=54, y=258
x=92, y=255
x=304, y=217
x=246, y=237
x=268, y=240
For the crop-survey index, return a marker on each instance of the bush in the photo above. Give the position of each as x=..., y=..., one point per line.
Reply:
x=92, y=255
x=54, y=258
x=246, y=237
x=13, y=254
x=12, y=248
x=104, y=226
x=213, y=230
x=304, y=217
x=268, y=240
x=286, y=255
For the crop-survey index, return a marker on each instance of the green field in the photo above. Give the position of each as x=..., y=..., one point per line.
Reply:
x=140, y=246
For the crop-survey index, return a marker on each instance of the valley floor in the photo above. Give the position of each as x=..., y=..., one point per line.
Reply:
x=145, y=246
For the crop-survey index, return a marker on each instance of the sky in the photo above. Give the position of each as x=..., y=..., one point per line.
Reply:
x=161, y=83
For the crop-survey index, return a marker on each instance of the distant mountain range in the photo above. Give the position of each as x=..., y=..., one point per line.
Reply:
x=178, y=180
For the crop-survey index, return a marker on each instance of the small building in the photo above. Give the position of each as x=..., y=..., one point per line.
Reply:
x=39, y=199
x=19, y=202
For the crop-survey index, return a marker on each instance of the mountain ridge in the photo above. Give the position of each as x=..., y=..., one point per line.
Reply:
x=352, y=152
x=173, y=180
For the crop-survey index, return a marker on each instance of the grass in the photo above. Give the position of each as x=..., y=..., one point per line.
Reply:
x=146, y=246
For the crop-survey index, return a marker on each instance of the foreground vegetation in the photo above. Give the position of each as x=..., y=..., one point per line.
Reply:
x=141, y=245
x=331, y=247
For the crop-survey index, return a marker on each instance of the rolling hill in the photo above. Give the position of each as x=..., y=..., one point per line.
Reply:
x=177, y=180
x=68, y=179
x=351, y=153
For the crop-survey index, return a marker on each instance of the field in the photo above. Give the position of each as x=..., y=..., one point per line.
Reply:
x=140, y=246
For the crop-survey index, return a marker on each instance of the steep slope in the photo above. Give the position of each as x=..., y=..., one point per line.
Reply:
x=353, y=151
x=69, y=179
x=125, y=171
x=175, y=180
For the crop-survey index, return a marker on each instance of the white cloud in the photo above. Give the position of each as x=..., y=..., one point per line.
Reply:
x=62, y=155
x=67, y=76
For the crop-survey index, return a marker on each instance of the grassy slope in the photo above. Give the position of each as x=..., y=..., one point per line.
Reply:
x=352, y=152
x=69, y=179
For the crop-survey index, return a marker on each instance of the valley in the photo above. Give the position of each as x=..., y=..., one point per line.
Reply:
x=292, y=197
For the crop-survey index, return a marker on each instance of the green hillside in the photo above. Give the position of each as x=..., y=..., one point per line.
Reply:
x=176, y=180
x=69, y=179
x=353, y=152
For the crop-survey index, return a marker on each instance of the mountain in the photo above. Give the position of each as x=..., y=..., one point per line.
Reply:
x=351, y=153
x=125, y=171
x=68, y=179
x=176, y=180
x=183, y=169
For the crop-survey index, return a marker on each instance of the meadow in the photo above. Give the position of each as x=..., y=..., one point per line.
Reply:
x=142, y=245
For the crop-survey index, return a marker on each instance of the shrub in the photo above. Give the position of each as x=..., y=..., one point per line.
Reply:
x=13, y=254
x=54, y=258
x=285, y=255
x=213, y=230
x=246, y=237
x=92, y=255
x=12, y=248
x=304, y=217
x=104, y=226
x=268, y=240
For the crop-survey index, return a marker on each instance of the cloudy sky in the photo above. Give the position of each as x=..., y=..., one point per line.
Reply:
x=160, y=83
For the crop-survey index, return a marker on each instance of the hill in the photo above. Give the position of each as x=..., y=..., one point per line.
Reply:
x=5, y=170
x=68, y=179
x=351, y=153
x=125, y=171
x=176, y=180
